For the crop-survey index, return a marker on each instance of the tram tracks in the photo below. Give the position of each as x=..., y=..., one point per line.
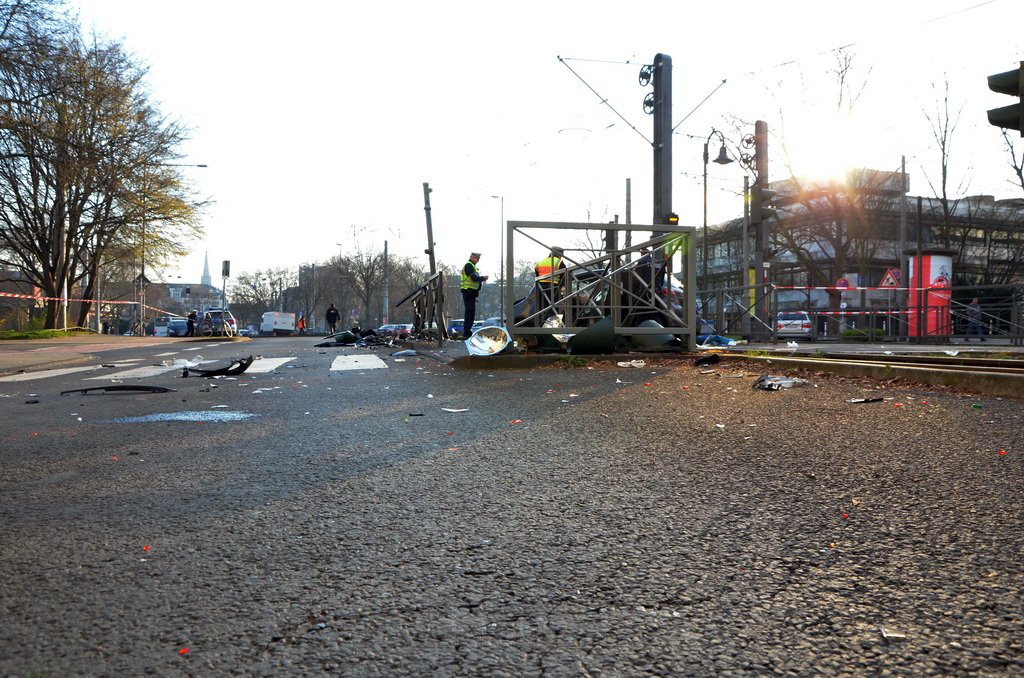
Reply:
x=991, y=376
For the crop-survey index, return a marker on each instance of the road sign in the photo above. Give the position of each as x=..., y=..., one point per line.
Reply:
x=843, y=282
x=891, y=278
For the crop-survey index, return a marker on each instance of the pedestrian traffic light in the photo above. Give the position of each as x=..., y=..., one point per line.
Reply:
x=1012, y=83
x=760, y=210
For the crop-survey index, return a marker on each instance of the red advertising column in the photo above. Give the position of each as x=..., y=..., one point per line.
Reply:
x=928, y=304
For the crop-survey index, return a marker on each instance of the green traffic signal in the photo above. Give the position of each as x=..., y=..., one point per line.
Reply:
x=1012, y=83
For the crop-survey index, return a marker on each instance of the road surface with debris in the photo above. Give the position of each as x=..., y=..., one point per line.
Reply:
x=414, y=518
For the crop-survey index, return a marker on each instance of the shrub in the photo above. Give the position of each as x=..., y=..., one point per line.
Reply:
x=866, y=334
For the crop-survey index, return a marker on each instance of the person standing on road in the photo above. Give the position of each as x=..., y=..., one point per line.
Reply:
x=974, y=319
x=332, y=318
x=470, y=282
x=302, y=324
x=192, y=324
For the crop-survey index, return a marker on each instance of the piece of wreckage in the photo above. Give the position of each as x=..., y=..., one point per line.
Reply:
x=237, y=366
x=490, y=340
x=355, y=337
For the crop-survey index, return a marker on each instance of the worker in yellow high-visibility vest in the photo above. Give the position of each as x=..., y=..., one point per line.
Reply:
x=549, y=271
x=470, y=282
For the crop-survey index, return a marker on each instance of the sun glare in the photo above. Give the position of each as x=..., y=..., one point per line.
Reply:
x=823, y=147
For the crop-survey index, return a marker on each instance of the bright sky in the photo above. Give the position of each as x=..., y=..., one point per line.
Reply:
x=317, y=117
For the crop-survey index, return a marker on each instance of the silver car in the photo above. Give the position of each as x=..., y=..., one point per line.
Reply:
x=794, y=324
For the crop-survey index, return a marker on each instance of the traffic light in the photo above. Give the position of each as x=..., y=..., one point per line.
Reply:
x=673, y=219
x=1012, y=83
x=225, y=269
x=760, y=210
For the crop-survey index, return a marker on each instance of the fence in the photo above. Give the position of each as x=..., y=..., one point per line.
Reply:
x=921, y=315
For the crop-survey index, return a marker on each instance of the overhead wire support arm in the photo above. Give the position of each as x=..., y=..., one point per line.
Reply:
x=702, y=102
x=605, y=102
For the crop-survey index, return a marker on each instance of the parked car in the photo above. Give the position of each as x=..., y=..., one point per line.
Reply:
x=794, y=324
x=177, y=327
x=493, y=322
x=455, y=327
x=397, y=331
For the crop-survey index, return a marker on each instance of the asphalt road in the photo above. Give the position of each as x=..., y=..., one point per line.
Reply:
x=590, y=520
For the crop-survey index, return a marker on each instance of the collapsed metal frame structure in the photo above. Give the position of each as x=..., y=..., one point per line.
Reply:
x=618, y=283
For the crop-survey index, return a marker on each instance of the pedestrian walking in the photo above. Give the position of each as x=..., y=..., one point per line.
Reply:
x=301, y=324
x=974, y=319
x=332, y=318
x=470, y=282
x=192, y=324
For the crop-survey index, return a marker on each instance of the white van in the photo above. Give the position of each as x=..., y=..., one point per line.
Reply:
x=277, y=324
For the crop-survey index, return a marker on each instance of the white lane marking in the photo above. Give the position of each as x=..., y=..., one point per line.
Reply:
x=357, y=362
x=43, y=374
x=138, y=372
x=267, y=365
x=161, y=355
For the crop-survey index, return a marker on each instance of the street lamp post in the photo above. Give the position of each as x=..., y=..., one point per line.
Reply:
x=722, y=159
x=501, y=257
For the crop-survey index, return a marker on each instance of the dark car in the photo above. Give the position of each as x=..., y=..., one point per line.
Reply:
x=455, y=327
x=177, y=327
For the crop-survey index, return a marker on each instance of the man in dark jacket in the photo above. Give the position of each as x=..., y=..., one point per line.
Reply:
x=332, y=318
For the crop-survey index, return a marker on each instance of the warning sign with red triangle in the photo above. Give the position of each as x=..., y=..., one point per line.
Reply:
x=891, y=278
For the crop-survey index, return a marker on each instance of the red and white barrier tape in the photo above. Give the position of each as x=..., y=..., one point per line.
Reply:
x=30, y=297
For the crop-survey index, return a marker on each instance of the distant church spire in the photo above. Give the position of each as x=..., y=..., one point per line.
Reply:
x=206, y=280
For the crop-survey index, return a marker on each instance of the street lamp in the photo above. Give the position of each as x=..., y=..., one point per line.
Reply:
x=501, y=256
x=141, y=329
x=722, y=159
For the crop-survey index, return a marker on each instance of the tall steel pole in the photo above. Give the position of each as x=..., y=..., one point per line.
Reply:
x=704, y=248
x=501, y=257
x=439, y=296
x=387, y=284
x=662, y=109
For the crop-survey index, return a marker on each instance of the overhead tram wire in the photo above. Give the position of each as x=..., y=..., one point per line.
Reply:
x=605, y=101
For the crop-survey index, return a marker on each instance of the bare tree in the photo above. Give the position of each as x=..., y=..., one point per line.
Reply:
x=1017, y=164
x=943, y=123
x=847, y=92
x=83, y=163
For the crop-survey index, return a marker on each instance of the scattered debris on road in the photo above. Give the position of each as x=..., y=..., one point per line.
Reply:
x=775, y=383
x=237, y=366
x=120, y=388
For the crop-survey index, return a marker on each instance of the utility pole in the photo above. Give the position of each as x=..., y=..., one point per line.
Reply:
x=902, y=254
x=745, y=278
x=387, y=284
x=760, y=213
x=439, y=295
x=662, y=111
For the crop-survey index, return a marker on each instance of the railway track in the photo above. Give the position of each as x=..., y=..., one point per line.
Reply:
x=991, y=376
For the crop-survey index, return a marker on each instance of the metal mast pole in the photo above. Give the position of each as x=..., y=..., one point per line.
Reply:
x=439, y=296
x=387, y=281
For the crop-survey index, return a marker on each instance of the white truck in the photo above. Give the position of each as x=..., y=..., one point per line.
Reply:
x=277, y=324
